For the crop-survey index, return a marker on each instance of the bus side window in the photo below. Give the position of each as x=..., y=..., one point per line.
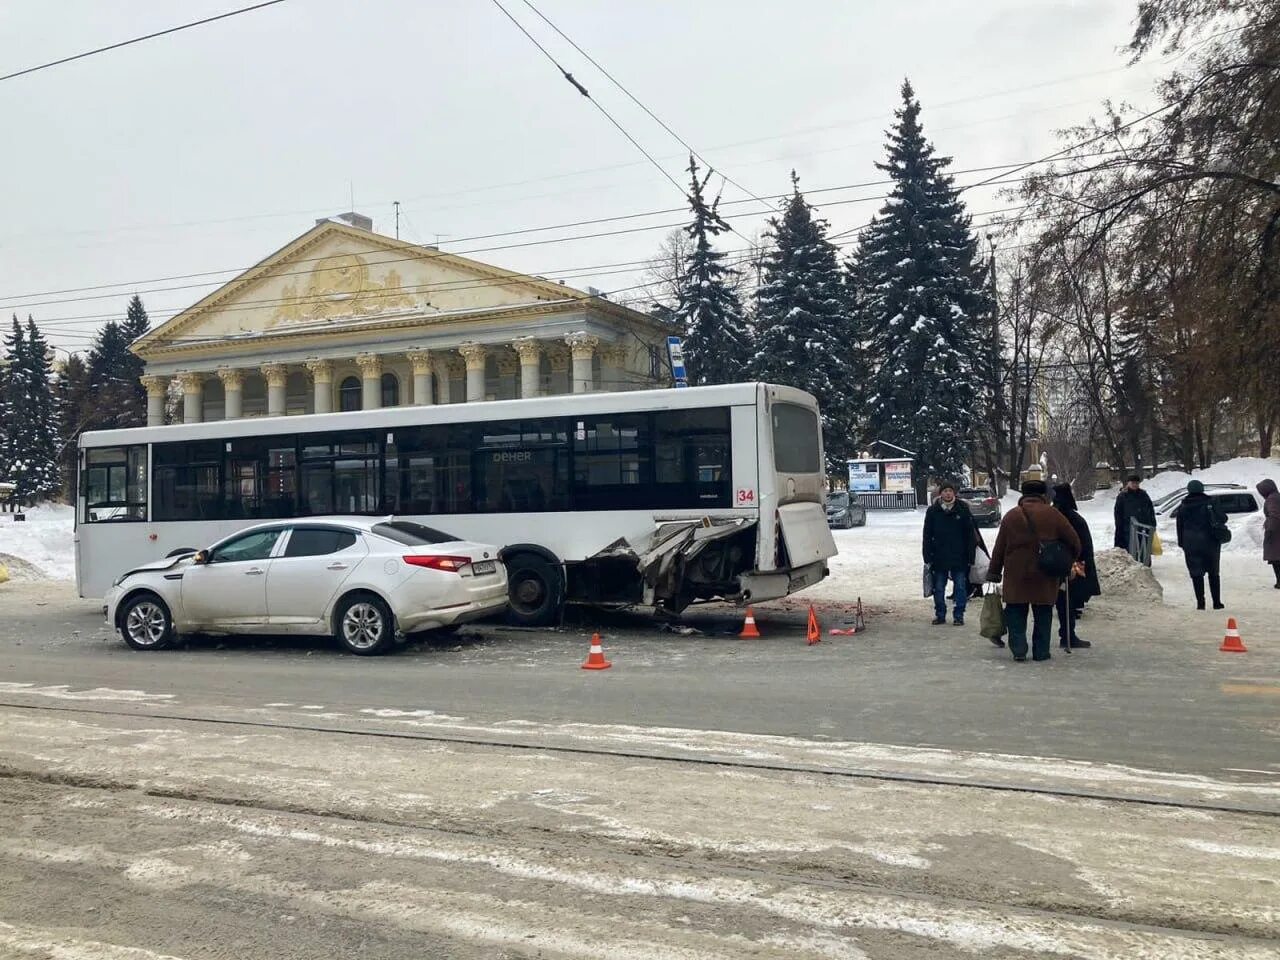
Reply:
x=691, y=451
x=115, y=483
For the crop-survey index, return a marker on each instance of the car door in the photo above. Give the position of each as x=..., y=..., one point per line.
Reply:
x=229, y=590
x=309, y=570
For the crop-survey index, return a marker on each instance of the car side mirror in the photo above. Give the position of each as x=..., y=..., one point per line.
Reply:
x=202, y=556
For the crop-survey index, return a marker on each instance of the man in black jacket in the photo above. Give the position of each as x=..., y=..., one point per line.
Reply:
x=1133, y=503
x=950, y=539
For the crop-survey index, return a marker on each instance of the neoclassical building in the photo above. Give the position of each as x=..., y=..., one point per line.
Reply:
x=343, y=318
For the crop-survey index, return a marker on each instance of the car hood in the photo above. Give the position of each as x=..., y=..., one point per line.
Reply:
x=164, y=564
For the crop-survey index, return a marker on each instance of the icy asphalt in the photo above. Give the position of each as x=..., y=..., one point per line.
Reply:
x=909, y=792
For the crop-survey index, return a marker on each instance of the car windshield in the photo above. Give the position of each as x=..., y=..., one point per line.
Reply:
x=411, y=534
x=973, y=494
x=838, y=500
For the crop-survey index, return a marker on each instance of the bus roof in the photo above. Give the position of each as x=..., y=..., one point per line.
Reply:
x=729, y=394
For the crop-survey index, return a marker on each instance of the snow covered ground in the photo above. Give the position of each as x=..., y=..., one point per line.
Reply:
x=880, y=562
x=44, y=541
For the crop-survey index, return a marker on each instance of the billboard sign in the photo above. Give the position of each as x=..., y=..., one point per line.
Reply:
x=897, y=475
x=864, y=477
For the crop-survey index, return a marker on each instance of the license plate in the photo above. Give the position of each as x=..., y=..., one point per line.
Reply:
x=483, y=566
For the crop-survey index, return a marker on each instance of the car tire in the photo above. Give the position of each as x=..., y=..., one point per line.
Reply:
x=145, y=622
x=535, y=590
x=363, y=625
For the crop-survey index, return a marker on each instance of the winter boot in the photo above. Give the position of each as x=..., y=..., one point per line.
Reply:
x=1197, y=584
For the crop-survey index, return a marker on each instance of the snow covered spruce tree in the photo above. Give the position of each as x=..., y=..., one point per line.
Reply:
x=31, y=433
x=136, y=323
x=803, y=332
x=708, y=310
x=923, y=305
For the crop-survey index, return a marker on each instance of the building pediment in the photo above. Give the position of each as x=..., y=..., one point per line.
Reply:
x=336, y=273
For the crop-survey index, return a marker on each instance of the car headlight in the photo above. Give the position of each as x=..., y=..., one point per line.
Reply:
x=120, y=579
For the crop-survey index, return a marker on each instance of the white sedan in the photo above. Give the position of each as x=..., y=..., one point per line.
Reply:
x=365, y=581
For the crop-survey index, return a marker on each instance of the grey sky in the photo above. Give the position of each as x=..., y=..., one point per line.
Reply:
x=211, y=148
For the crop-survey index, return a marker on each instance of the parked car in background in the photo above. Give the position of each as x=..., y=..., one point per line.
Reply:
x=984, y=507
x=844, y=510
x=365, y=581
x=1168, y=504
x=1232, y=500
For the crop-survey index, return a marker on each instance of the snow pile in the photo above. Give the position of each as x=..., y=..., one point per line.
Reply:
x=1124, y=579
x=45, y=541
x=1246, y=533
x=1246, y=471
x=19, y=569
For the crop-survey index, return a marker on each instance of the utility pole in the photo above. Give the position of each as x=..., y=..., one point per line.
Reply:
x=396, y=204
x=997, y=388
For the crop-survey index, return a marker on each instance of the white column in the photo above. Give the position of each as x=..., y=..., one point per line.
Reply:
x=421, y=360
x=277, y=381
x=192, y=397
x=530, y=352
x=233, y=390
x=583, y=347
x=474, y=355
x=613, y=367
x=322, y=379
x=156, y=388
x=370, y=365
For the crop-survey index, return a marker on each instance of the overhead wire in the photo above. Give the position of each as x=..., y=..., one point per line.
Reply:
x=140, y=285
x=583, y=90
x=149, y=36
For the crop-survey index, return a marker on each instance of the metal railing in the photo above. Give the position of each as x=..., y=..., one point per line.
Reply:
x=1140, y=535
x=896, y=500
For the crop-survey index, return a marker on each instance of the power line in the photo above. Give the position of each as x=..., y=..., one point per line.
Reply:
x=138, y=285
x=149, y=36
x=583, y=90
x=653, y=116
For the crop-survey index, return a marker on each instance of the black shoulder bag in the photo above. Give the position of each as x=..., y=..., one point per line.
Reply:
x=1052, y=556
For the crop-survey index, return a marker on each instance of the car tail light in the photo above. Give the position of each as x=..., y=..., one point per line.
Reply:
x=990, y=502
x=432, y=562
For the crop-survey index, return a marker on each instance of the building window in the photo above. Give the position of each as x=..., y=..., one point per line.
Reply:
x=349, y=394
x=390, y=390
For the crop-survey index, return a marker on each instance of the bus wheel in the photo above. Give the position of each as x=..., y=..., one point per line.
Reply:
x=534, y=589
x=145, y=623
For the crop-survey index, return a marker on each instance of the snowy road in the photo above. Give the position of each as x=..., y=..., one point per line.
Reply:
x=193, y=839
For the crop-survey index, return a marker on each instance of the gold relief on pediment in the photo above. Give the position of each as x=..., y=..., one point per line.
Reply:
x=340, y=286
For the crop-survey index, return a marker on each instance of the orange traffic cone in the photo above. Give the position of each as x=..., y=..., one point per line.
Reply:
x=595, y=657
x=813, y=634
x=1232, y=643
x=749, y=630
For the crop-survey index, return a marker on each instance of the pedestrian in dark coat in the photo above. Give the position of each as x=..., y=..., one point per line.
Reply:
x=1133, y=503
x=1271, y=526
x=1016, y=558
x=1080, y=588
x=949, y=544
x=1198, y=515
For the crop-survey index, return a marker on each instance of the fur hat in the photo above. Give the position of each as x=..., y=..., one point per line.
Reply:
x=1034, y=488
x=946, y=485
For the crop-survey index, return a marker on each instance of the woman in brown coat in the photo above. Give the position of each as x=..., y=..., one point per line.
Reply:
x=1026, y=586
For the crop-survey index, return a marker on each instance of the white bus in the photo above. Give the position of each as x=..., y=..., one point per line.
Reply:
x=654, y=498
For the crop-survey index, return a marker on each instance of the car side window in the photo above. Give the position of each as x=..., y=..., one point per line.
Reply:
x=316, y=542
x=252, y=546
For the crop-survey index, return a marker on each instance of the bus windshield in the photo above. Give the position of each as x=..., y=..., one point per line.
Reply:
x=795, y=439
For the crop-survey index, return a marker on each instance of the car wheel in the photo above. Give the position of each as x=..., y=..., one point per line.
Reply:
x=364, y=625
x=534, y=590
x=145, y=623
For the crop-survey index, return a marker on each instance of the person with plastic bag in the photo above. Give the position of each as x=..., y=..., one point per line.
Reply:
x=1202, y=530
x=1082, y=587
x=1133, y=503
x=949, y=546
x=1032, y=537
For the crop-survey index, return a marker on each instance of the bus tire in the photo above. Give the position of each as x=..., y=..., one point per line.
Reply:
x=145, y=622
x=535, y=590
